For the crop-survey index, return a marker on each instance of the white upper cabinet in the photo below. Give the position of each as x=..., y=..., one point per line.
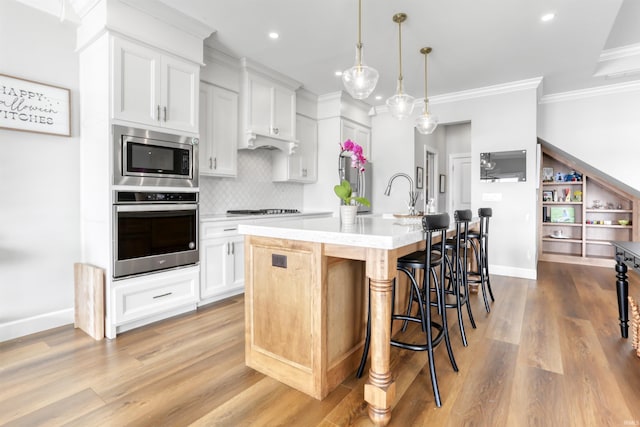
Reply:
x=268, y=108
x=302, y=165
x=218, y=131
x=271, y=109
x=283, y=113
x=357, y=133
x=154, y=89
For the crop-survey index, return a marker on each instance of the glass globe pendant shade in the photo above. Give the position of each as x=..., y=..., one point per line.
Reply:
x=360, y=80
x=426, y=123
x=400, y=105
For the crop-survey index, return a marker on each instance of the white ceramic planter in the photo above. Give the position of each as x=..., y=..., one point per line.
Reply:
x=348, y=214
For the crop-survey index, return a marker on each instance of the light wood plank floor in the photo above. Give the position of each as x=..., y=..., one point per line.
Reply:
x=549, y=354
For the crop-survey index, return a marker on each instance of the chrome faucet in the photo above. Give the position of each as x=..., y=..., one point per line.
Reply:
x=413, y=194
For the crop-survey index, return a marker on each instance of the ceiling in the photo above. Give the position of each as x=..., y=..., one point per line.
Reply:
x=475, y=43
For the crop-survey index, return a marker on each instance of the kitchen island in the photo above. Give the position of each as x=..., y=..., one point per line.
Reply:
x=306, y=296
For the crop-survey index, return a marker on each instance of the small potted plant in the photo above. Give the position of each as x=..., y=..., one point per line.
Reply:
x=577, y=196
x=344, y=191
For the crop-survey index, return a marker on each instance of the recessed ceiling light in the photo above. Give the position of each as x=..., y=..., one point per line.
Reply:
x=378, y=97
x=547, y=17
x=273, y=35
x=338, y=73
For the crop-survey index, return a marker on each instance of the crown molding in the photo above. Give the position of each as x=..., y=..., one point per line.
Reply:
x=171, y=16
x=499, y=89
x=619, y=62
x=250, y=65
x=591, y=92
x=620, y=52
x=464, y=95
x=213, y=54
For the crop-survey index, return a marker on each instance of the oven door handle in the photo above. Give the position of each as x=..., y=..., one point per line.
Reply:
x=156, y=207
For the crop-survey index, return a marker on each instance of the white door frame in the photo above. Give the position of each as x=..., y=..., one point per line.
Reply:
x=450, y=173
x=433, y=179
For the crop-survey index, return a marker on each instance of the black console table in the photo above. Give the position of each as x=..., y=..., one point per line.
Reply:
x=627, y=255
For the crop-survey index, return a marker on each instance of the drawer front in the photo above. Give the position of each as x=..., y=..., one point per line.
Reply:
x=150, y=295
x=213, y=230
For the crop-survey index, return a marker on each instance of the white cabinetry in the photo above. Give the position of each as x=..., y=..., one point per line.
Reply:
x=268, y=108
x=218, y=131
x=357, y=133
x=301, y=166
x=155, y=89
x=222, y=262
x=142, y=298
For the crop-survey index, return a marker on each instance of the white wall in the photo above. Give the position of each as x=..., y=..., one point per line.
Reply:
x=39, y=215
x=499, y=122
x=601, y=128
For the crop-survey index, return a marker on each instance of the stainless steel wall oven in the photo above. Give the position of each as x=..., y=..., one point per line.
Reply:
x=154, y=231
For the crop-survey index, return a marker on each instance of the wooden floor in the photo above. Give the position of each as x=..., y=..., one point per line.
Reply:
x=549, y=354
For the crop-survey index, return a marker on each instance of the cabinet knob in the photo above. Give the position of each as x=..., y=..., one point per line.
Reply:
x=215, y=163
x=165, y=113
x=276, y=131
x=158, y=112
x=210, y=163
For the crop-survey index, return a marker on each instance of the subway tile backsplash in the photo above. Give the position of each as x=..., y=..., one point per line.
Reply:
x=251, y=189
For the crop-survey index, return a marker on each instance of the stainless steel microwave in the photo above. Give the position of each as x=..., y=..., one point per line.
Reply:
x=150, y=158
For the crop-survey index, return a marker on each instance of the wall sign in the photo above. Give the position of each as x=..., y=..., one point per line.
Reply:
x=34, y=107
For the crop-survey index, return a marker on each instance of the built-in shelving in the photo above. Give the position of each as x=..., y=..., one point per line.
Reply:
x=580, y=217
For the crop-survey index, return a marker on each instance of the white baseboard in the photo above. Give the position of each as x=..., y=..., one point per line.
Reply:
x=523, y=273
x=30, y=325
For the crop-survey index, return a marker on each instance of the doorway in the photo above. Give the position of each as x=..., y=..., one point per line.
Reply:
x=430, y=189
x=460, y=178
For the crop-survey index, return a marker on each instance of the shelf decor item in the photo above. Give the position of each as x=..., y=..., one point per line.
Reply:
x=577, y=196
x=563, y=214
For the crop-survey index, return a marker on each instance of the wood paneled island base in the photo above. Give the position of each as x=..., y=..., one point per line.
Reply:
x=306, y=296
x=305, y=320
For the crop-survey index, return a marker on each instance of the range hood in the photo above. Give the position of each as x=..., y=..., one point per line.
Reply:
x=253, y=140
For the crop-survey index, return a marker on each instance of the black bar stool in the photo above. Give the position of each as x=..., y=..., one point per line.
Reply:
x=480, y=244
x=456, y=262
x=432, y=265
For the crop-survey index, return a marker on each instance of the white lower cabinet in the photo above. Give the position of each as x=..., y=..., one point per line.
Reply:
x=222, y=262
x=152, y=295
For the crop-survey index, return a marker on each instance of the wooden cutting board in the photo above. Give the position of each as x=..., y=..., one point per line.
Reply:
x=89, y=299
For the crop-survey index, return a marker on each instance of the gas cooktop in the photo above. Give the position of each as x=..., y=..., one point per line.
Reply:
x=262, y=211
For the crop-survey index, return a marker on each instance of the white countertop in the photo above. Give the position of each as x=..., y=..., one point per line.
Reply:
x=369, y=231
x=235, y=217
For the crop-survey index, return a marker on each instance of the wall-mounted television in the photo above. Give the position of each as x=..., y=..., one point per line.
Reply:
x=503, y=166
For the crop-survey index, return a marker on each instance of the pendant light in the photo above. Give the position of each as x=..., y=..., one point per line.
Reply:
x=426, y=123
x=400, y=105
x=360, y=80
